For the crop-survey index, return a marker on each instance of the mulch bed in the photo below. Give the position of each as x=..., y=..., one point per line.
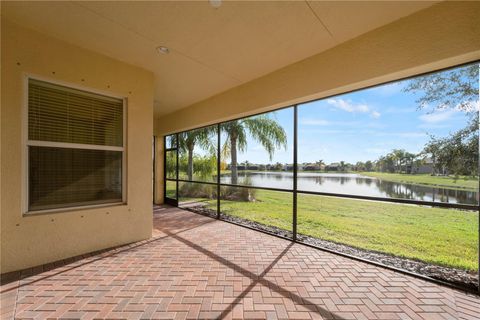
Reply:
x=455, y=276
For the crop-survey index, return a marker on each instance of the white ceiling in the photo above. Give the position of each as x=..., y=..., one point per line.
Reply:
x=211, y=49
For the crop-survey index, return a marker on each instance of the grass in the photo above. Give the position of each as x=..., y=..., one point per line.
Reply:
x=439, y=236
x=450, y=182
x=171, y=190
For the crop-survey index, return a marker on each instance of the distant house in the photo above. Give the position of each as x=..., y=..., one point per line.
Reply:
x=240, y=167
x=334, y=166
x=313, y=167
x=426, y=166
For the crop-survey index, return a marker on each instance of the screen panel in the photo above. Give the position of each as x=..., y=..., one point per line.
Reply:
x=198, y=154
x=258, y=151
x=265, y=210
x=61, y=177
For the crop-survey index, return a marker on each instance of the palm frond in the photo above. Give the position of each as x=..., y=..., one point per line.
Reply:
x=267, y=132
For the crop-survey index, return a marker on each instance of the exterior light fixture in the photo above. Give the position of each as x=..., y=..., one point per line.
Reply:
x=215, y=3
x=163, y=50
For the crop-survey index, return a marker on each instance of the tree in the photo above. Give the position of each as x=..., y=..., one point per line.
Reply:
x=278, y=166
x=261, y=128
x=223, y=165
x=408, y=161
x=189, y=139
x=456, y=89
x=360, y=166
x=171, y=165
x=457, y=153
x=417, y=163
x=397, y=155
x=320, y=163
x=385, y=163
x=368, y=166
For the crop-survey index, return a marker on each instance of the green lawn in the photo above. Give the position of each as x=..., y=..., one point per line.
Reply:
x=426, y=179
x=440, y=236
x=170, y=191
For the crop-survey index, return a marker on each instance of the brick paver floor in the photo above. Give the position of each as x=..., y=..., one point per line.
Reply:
x=196, y=267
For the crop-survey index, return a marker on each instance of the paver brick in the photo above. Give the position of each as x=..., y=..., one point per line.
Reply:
x=195, y=267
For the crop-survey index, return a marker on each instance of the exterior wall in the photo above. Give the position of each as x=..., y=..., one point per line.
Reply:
x=31, y=240
x=159, y=172
x=440, y=36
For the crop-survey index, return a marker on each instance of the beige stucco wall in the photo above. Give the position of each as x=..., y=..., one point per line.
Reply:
x=440, y=36
x=159, y=172
x=32, y=240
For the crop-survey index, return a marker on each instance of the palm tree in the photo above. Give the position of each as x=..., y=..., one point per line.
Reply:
x=432, y=149
x=261, y=128
x=188, y=140
x=320, y=163
x=408, y=161
x=398, y=155
x=278, y=166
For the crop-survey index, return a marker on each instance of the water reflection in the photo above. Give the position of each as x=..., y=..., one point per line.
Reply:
x=346, y=183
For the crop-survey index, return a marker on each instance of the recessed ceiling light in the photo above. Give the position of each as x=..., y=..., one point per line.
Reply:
x=215, y=3
x=163, y=50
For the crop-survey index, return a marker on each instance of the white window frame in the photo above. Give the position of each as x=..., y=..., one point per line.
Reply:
x=27, y=143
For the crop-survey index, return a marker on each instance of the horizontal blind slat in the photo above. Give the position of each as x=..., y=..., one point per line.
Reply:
x=61, y=177
x=61, y=114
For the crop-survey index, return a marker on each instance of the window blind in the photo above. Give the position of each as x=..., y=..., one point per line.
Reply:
x=71, y=134
x=61, y=114
x=63, y=177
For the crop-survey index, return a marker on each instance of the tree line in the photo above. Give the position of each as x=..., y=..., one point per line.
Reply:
x=456, y=154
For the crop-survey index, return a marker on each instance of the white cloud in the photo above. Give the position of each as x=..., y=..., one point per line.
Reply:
x=352, y=107
x=348, y=106
x=375, y=114
x=437, y=116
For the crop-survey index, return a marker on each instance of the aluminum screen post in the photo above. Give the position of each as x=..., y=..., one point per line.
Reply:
x=164, y=168
x=176, y=172
x=295, y=168
x=218, y=171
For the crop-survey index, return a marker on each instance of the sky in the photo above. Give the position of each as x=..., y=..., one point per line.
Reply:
x=358, y=126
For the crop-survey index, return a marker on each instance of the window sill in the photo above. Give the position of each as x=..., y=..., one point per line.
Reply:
x=73, y=209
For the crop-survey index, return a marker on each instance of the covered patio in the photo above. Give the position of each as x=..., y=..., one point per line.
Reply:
x=240, y=159
x=197, y=267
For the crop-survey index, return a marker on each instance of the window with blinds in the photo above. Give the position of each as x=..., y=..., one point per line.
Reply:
x=75, y=147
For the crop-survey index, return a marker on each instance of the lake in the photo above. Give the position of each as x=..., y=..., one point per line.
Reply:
x=355, y=184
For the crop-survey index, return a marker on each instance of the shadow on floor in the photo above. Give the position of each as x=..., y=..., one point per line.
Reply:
x=107, y=253
x=257, y=279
